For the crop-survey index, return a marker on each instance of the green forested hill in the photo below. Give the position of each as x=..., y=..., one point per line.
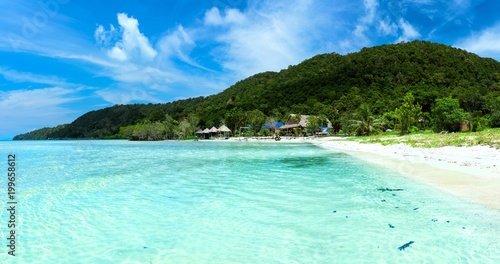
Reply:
x=330, y=84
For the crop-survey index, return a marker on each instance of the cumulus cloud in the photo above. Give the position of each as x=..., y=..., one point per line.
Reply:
x=133, y=45
x=132, y=62
x=484, y=43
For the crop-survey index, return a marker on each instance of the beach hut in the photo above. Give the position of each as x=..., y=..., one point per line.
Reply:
x=206, y=133
x=213, y=131
x=224, y=130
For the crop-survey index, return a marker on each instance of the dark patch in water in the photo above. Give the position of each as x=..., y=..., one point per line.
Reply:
x=403, y=247
x=415, y=209
x=389, y=190
x=434, y=220
x=303, y=162
x=391, y=226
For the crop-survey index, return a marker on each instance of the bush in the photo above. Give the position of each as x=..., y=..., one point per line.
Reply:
x=495, y=119
x=480, y=124
x=413, y=129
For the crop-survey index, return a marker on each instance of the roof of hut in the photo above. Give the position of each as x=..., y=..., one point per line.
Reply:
x=224, y=128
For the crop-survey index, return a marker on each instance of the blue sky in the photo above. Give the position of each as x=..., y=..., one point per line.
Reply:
x=62, y=58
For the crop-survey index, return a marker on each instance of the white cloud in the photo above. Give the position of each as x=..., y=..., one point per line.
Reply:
x=370, y=9
x=387, y=28
x=124, y=95
x=20, y=77
x=408, y=31
x=118, y=53
x=484, y=43
x=266, y=37
x=133, y=45
x=35, y=99
x=363, y=25
x=104, y=37
x=231, y=16
x=32, y=109
x=178, y=44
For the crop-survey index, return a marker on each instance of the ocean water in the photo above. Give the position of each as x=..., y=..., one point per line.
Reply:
x=229, y=202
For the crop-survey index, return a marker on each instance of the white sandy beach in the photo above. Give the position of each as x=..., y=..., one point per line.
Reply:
x=472, y=173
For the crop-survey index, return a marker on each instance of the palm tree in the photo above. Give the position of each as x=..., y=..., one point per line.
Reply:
x=365, y=122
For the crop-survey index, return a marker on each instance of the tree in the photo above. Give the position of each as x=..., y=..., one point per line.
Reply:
x=364, y=123
x=170, y=125
x=146, y=131
x=193, y=121
x=408, y=113
x=322, y=120
x=312, y=123
x=256, y=118
x=390, y=119
x=493, y=105
x=183, y=128
x=156, y=115
x=296, y=118
x=235, y=118
x=447, y=114
x=271, y=124
x=345, y=122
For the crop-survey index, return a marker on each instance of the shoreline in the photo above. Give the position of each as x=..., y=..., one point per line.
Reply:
x=470, y=173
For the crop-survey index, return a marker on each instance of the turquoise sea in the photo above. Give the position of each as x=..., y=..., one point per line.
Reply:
x=229, y=202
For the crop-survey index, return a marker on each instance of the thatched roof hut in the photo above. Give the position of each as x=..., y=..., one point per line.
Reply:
x=224, y=129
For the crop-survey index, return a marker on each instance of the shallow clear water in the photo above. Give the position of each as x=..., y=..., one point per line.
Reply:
x=230, y=202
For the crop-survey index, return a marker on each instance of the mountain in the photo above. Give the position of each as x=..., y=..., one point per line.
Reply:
x=329, y=84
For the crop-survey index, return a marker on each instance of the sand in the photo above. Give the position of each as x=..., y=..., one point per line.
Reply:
x=472, y=173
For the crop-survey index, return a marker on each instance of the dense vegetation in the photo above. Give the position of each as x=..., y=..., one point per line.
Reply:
x=39, y=134
x=406, y=86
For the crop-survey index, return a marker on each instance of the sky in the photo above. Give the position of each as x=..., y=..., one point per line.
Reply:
x=62, y=58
